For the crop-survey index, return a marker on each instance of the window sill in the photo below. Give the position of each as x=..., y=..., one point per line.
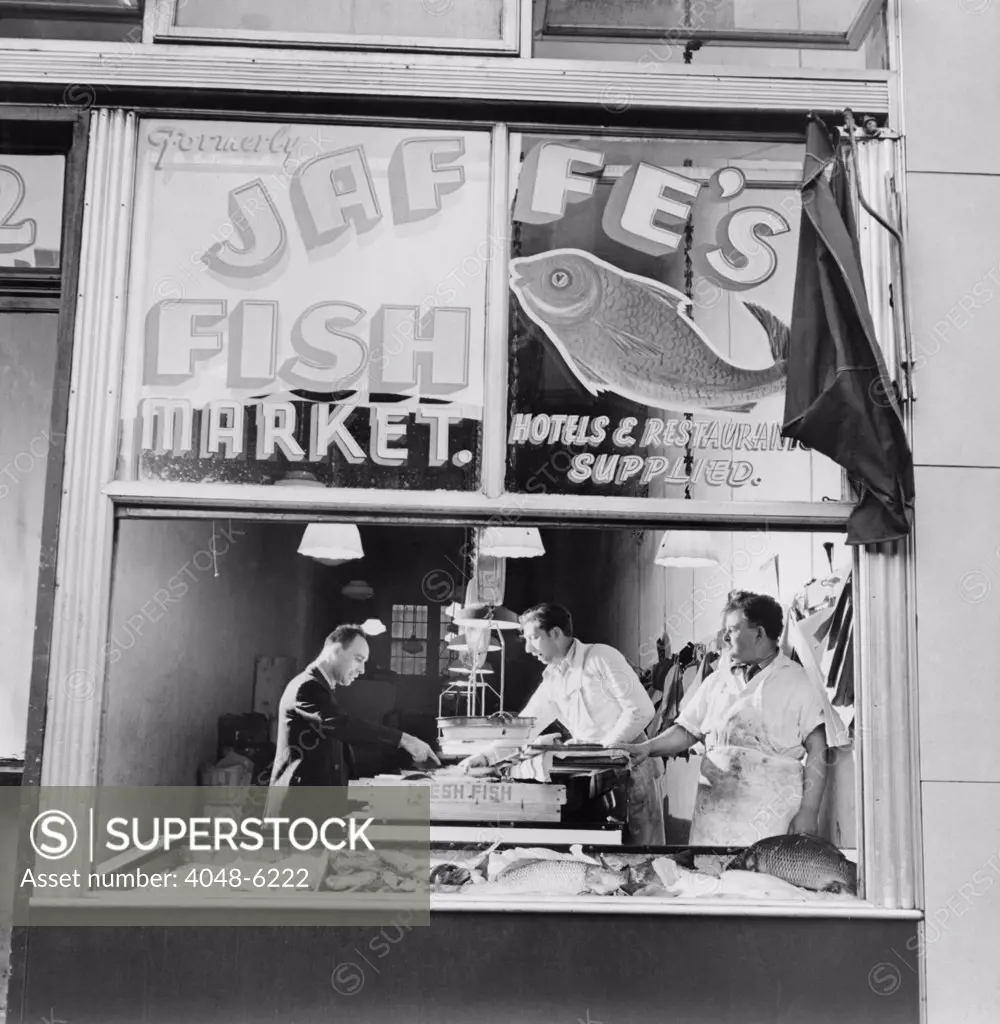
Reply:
x=323, y=905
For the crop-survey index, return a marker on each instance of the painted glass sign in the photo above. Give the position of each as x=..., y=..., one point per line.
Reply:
x=307, y=300
x=651, y=289
x=31, y=199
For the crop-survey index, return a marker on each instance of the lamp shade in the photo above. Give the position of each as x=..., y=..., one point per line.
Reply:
x=511, y=542
x=331, y=543
x=358, y=590
x=688, y=549
x=487, y=615
x=373, y=627
x=461, y=643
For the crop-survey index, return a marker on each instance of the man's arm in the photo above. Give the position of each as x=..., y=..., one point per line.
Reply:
x=620, y=682
x=814, y=783
x=541, y=707
x=320, y=713
x=674, y=741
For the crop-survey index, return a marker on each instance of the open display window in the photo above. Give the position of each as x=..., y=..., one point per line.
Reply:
x=211, y=619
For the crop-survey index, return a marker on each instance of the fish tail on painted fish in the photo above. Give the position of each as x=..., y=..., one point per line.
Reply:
x=778, y=333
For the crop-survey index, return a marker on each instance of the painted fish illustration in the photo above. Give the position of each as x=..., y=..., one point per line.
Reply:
x=633, y=336
x=556, y=877
x=803, y=860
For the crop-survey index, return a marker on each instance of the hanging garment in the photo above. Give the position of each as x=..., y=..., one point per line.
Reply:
x=752, y=774
x=838, y=397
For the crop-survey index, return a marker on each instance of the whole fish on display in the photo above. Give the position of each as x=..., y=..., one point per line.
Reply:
x=634, y=337
x=806, y=861
x=555, y=878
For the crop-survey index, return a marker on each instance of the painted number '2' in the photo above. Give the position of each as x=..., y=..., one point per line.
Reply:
x=14, y=236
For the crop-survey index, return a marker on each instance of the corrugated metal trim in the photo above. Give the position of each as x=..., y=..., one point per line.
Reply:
x=611, y=86
x=887, y=695
x=76, y=675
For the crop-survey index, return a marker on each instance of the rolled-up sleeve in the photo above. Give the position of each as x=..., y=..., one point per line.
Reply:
x=620, y=683
x=694, y=717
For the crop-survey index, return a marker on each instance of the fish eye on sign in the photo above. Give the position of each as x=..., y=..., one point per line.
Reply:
x=649, y=209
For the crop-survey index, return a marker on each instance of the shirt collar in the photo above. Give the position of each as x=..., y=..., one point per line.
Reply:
x=747, y=672
x=324, y=675
x=569, y=659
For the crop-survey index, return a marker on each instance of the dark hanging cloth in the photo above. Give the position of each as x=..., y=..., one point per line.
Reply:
x=839, y=399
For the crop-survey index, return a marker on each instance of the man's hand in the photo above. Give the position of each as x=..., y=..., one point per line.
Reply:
x=804, y=823
x=418, y=750
x=475, y=761
x=637, y=752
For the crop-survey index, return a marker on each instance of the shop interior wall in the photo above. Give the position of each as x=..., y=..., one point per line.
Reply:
x=953, y=191
x=184, y=662
x=27, y=369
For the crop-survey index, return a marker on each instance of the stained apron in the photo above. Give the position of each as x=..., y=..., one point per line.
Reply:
x=645, y=805
x=746, y=791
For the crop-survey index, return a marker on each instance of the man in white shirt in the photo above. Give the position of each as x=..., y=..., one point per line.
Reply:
x=594, y=692
x=760, y=717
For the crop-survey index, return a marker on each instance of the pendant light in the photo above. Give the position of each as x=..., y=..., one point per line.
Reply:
x=331, y=543
x=510, y=542
x=373, y=627
x=688, y=549
x=487, y=615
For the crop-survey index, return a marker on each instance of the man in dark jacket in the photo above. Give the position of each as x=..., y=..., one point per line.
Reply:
x=312, y=727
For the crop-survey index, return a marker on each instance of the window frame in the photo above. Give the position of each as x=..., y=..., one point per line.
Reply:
x=890, y=831
x=851, y=39
x=161, y=15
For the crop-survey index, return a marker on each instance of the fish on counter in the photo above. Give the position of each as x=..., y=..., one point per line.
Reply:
x=554, y=878
x=806, y=861
x=634, y=336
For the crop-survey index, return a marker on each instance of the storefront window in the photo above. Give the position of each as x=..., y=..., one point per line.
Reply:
x=28, y=347
x=31, y=220
x=199, y=605
x=652, y=287
x=308, y=303
x=31, y=191
x=661, y=34
x=402, y=24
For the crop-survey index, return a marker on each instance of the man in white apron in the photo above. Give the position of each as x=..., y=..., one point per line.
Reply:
x=759, y=716
x=594, y=692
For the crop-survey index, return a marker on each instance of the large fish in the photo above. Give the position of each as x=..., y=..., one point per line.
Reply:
x=633, y=336
x=805, y=861
x=555, y=878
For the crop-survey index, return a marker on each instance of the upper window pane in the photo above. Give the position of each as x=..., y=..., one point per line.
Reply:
x=847, y=33
x=652, y=284
x=291, y=316
x=92, y=20
x=31, y=199
x=404, y=24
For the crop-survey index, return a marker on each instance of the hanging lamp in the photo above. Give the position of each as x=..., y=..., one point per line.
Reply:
x=331, y=543
x=688, y=549
x=510, y=542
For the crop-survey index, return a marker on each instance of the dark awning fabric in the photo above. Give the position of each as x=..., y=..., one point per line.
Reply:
x=839, y=399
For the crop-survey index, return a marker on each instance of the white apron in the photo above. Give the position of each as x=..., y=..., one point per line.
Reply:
x=746, y=791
